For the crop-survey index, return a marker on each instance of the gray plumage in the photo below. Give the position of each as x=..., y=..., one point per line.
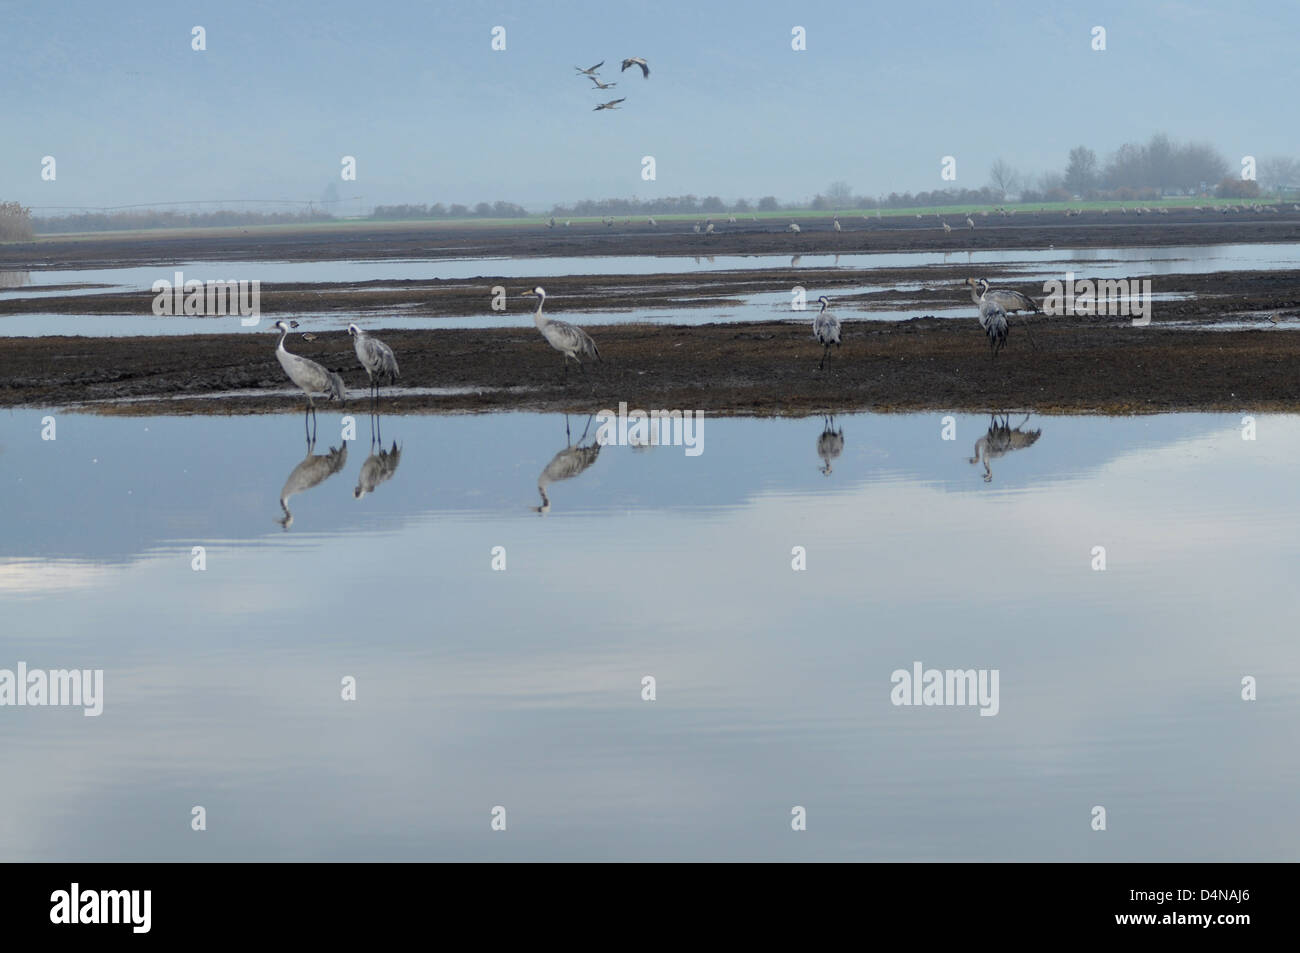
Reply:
x=637, y=61
x=994, y=322
x=1000, y=440
x=312, y=471
x=306, y=373
x=375, y=356
x=570, y=340
x=826, y=329
x=1007, y=299
x=378, y=468
x=565, y=465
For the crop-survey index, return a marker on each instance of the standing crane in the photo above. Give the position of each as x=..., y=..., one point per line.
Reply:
x=993, y=319
x=376, y=357
x=569, y=339
x=309, y=376
x=826, y=329
x=1008, y=299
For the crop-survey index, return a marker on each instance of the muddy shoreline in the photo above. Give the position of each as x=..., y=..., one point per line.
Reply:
x=765, y=367
x=768, y=368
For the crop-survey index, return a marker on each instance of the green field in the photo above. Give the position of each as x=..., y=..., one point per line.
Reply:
x=956, y=212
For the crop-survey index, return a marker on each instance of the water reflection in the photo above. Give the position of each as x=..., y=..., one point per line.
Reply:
x=830, y=444
x=378, y=468
x=314, y=470
x=567, y=464
x=1000, y=440
x=1122, y=681
x=15, y=279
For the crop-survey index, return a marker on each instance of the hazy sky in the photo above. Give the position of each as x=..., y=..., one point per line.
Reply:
x=414, y=91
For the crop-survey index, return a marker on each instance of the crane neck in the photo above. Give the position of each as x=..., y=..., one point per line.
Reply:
x=538, y=317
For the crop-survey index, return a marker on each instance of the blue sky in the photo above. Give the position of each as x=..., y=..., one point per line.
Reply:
x=432, y=113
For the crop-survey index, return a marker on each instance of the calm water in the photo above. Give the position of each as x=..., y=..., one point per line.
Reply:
x=1028, y=268
x=523, y=688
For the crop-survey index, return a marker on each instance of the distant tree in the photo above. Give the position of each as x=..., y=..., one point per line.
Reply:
x=1081, y=170
x=768, y=204
x=711, y=203
x=1279, y=172
x=15, y=222
x=1236, y=188
x=458, y=211
x=820, y=203
x=741, y=206
x=840, y=194
x=437, y=210
x=1003, y=178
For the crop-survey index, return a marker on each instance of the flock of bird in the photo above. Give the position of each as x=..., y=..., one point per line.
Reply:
x=591, y=74
x=575, y=344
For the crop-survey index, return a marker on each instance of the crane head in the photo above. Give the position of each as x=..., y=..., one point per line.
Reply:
x=824, y=301
x=353, y=330
x=535, y=293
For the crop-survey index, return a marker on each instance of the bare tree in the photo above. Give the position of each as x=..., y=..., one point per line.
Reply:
x=1003, y=177
x=1279, y=172
x=1081, y=171
x=840, y=194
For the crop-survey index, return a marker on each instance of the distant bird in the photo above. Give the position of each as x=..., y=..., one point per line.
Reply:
x=947, y=229
x=731, y=220
x=835, y=224
x=591, y=70
x=1001, y=440
x=1275, y=318
x=308, y=336
x=378, y=468
x=830, y=444
x=651, y=221
x=696, y=226
x=993, y=319
x=637, y=61
x=567, y=223
x=599, y=84
x=708, y=229
x=307, y=374
x=612, y=104
x=570, y=340
x=794, y=228
x=551, y=223
x=826, y=329
x=376, y=357
x=970, y=222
